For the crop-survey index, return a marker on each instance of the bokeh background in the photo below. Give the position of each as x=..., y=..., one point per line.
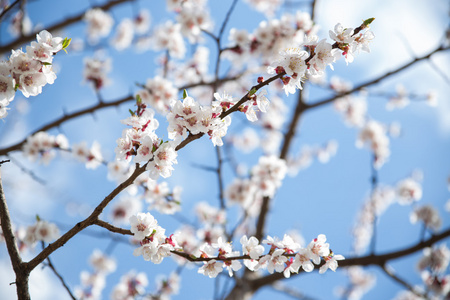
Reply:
x=324, y=198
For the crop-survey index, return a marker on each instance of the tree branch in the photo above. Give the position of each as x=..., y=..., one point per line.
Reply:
x=397, y=279
x=112, y=228
x=377, y=260
x=64, y=119
x=66, y=22
x=52, y=267
x=378, y=79
x=91, y=220
x=8, y=8
x=22, y=274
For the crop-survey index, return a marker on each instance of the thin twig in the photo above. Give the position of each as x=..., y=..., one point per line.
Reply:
x=227, y=18
x=65, y=118
x=8, y=8
x=26, y=171
x=376, y=260
x=90, y=220
x=287, y=290
x=219, y=178
x=378, y=79
x=374, y=186
x=52, y=267
x=390, y=272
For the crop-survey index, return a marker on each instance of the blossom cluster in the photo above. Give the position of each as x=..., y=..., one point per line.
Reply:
x=190, y=116
x=360, y=282
x=374, y=135
x=141, y=143
x=29, y=71
x=41, y=145
x=297, y=63
x=41, y=231
x=168, y=37
x=154, y=245
x=402, y=98
x=432, y=266
x=268, y=7
x=96, y=71
x=307, y=155
x=266, y=178
x=93, y=283
x=284, y=256
x=100, y=24
x=158, y=93
x=130, y=286
x=270, y=38
x=193, y=18
x=406, y=192
x=91, y=157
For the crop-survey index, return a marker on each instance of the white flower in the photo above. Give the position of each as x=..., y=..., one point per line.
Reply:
x=102, y=263
x=165, y=155
x=362, y=41
x=428, y=215
x=303, y=260
x=142, y=225
x=436, y=258
x=233, y=265
x=99, y=24
x=341, y=34
x=408, y=191
x=7, y=91
x=46, y=231
x=324, y=55
x=374, y=134
x=193, y=19
x=142, y=21
x=211, y=268
x=168, y=36
x=318, y=248
x=292, y=61
x=124, y=35
x=330, y=262
x=276, y=261
x=251, y=247
x=53, y=44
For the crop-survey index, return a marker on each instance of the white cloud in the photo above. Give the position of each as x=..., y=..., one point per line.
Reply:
x=43, y=284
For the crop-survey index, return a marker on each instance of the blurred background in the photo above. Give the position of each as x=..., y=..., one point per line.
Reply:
x=324, y=198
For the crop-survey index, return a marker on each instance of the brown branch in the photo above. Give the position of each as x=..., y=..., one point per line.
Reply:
x=378, y=260
x=190, y=138
x=64, y=119
x=91, y=220
x=212, y=83
x=112, y=228
x=288, y=137
x=378, y=79
x=399, y=280
x=253, y=90
x=260, y=224
x=22, y=274
x=289, y=291
x=8, y=8
x=66, y=22
x=220, y=179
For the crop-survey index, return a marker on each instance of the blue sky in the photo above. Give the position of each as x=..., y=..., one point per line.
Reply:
x=322, y=199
